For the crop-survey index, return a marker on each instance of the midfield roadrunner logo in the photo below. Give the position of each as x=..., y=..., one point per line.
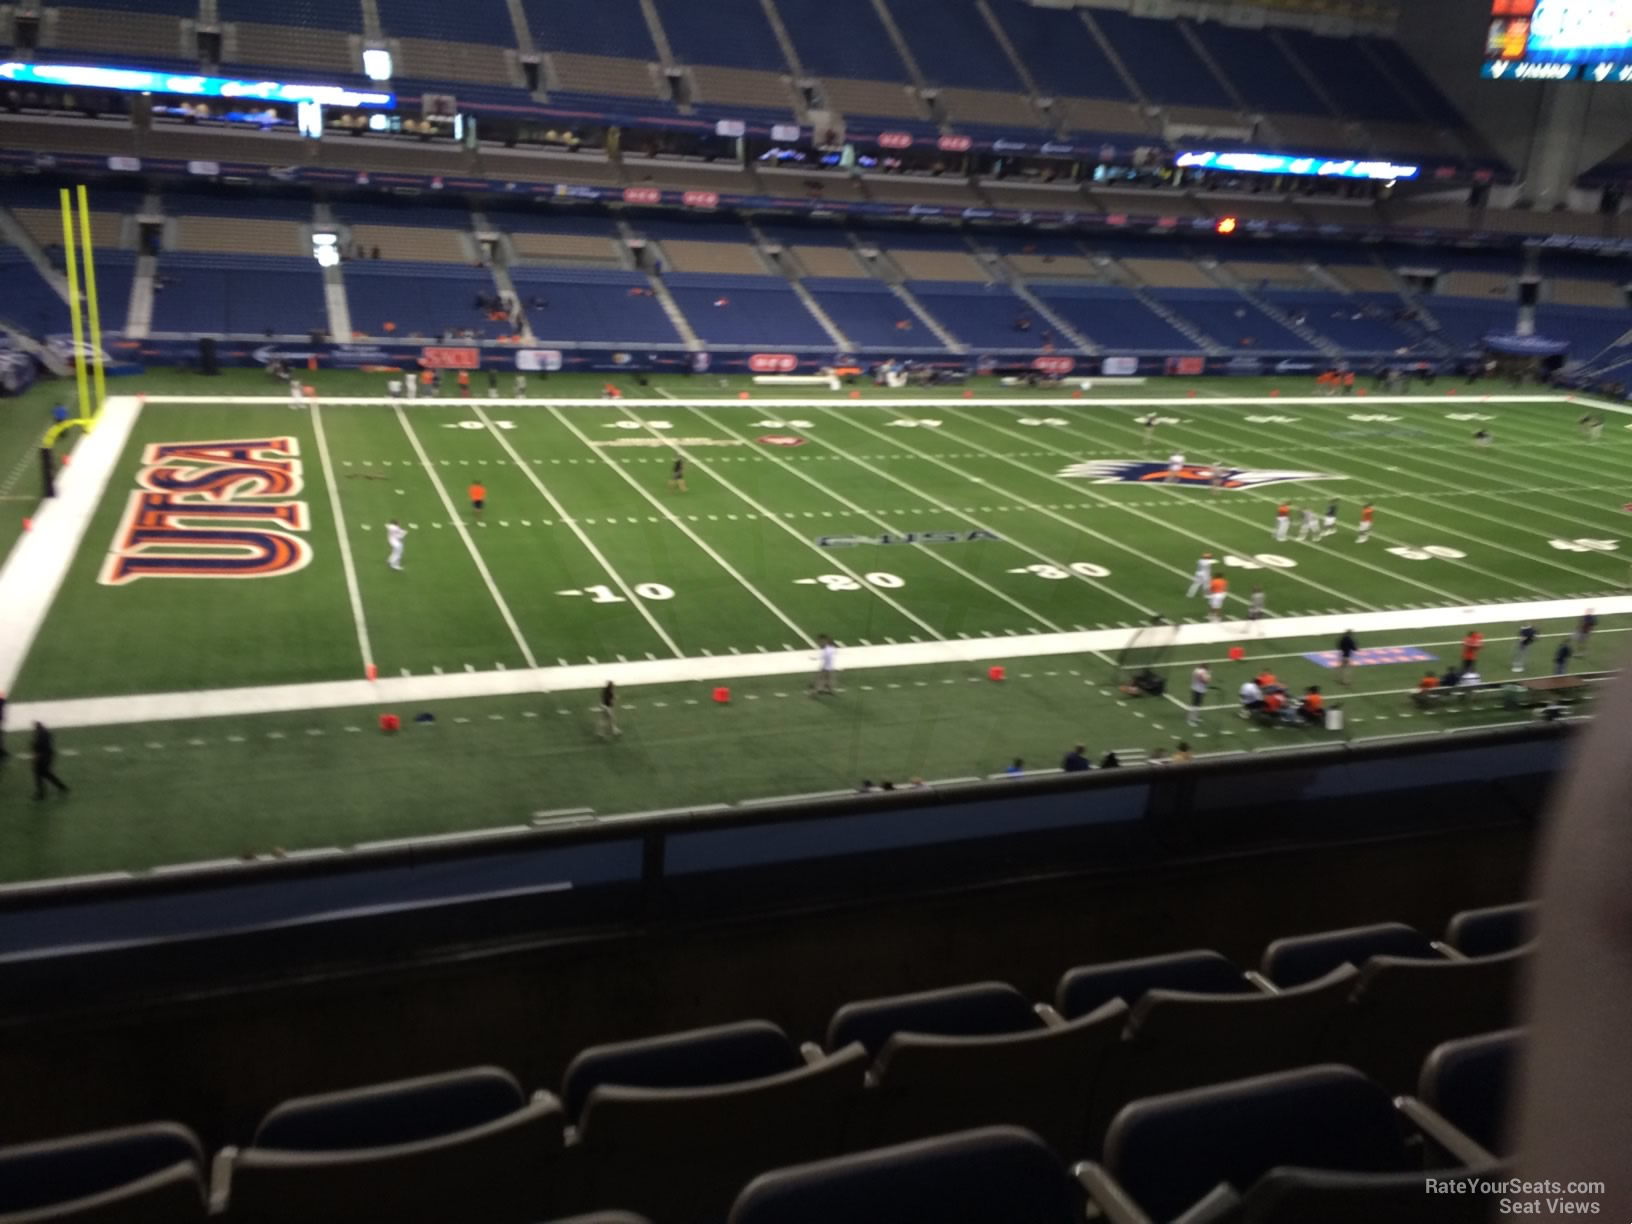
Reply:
x=1147, y=471
x=213, y=510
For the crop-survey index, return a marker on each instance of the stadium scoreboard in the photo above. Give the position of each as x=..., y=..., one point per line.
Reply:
x=1559, y=40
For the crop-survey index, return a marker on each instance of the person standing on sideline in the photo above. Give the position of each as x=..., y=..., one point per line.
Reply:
x=521, y=386
x=1561, y=658
x=492, y=384
x=1076, y=761
x=1583, y=631
x=1527, y=639
x=1203, y=578
x=464, y=383
x=478, y=498
x=45, y=755
x=677, y=475
x=607, y=713
x=1347, y=647
x=1364, y=534
x=1217, y=590
x=1200, y=681
x=1175, y=465
x=1471, y=645
x=822, y=682
x=1283, y=522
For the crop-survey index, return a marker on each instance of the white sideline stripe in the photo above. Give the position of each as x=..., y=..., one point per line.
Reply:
x=916, y=401
x=691, y=535
x=638, y=604
x=286, y=698
x=885, y=523
x=352, y=590
x=458, y=525
x=38, y=564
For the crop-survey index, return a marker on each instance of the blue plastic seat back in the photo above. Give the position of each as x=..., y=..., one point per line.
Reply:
x=1469, y=1080
x=982, y=1009
x=982, y=1176
x=1487, y=932
x=384, y=1115
x=723, y=1054
x=1170, y=1151
x=37, y=1175
x=1200, y=972
x=1303, y=958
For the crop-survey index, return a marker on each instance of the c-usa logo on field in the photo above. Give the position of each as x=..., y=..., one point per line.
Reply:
x=1146, y=471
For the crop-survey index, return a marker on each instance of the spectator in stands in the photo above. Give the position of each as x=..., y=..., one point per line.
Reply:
x=1110, y=761
x=376, y=252
x=1182, y=754
x=1076, y=761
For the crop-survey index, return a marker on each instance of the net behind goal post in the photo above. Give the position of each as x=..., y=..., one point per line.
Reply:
x=1145, y=656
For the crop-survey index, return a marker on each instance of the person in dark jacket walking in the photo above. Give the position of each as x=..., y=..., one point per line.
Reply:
x=45, y=755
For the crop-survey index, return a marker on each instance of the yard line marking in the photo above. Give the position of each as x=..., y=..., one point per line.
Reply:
x=884, y=523
x=696, y=539
x=1325, y=491
x=1211, y=504
x=1025, y=467
x=353, y=591
x=638, y=604
x=464, y=534
x=759, y=509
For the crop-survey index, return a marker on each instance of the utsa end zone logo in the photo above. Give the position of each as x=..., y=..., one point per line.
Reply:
x=212, y=510
x=1145, y=471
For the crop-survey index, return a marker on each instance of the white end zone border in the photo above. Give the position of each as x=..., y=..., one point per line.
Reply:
x=31, y=578
x=34, y=572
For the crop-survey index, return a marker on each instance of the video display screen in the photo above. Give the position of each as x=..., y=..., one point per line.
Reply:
x=1559, y=40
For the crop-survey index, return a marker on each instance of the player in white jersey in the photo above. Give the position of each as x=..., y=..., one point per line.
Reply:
x=1175, y=465
x=1203, y=577
x=1283, y=521
x=397, y=535
x=827, y=665
x=1309, y=529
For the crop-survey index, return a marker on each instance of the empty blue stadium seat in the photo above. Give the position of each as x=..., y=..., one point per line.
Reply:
x=1232, y=320
x=983, y=316
x=135, y=1173
x=979, y=1009
x=1059, y=52
x=842, y=38
x=953, y=44
x=345, y=15
x=1082, y=990
x=385, y=1115
x=1261, y=74
x=1465, y=322
x=1469, y=1083
x=587, y=305
x=161, y=8
x=422, y=298
x=463, y=1145
x=1114, y=318
x=732, y=33
x=724, y=1054
x=1589, y=329
x=591, y=27
x=239, y=204
x=470, y=21
x=747, y=310
x=1162, y=61
x=977, y=1177
x=1169, y=1153
x=1296, y=959
x=1350, y=77
x=30, y=303
x=213, y=294
x=1499, y=928
x=869, y=314
x=1355, y=323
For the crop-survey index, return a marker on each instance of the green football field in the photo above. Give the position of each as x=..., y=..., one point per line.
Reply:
x=888, y=519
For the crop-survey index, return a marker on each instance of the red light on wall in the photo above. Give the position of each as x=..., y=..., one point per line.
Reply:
x=1226, y=225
